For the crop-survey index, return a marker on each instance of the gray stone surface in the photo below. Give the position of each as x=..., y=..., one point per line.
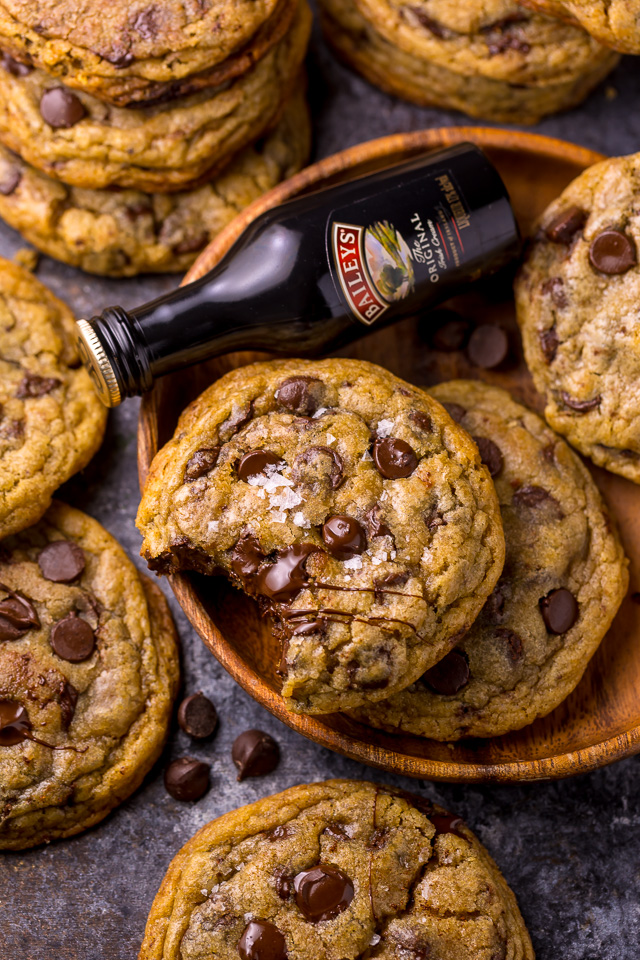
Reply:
x=570, y=850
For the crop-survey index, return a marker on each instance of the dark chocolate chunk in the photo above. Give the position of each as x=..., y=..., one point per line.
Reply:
x=309, y=626
x=548, y=343
x=60, y=108
x=254, y=462
x=14, y=67
x=490, y=454
x=187, y=778
x=513, y=641
x=488, y=346
x=433, y=26
x=565, y=225
x=262, y=941
x=395, y=459
x=17, y=616
x=61, y=561
x=197, y=716
x=375, y=526
x=72, y=639
x=451, y=336
x=9, y=180
x=336, y=831
x=559, y=610
x=455, y=411
x=344, y=537
x=255, y=754
x=494, y=607
x=235, y=421
x=302, y=395
x=68, y=698
x=422, y=420
x=34, y=386
x=554, y=288
x=191, y=244
x=145, y=22
x=283, y=883
x=447, y=823
x=279, y=833
x=283, y=580
x=612, y=252
x=501, y=37
x=246, y=557
x=581, y=406
x=15, y=725
x=201, y=463
x=434, y=519
x=378, y=839
x=449, y=675
x=322, y=892
x=313, y=458
x=533, y=496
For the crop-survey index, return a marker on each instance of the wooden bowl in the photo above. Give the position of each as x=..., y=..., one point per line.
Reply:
x=600, y=721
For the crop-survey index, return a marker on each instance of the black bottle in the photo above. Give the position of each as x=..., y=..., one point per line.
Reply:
x=321, y=270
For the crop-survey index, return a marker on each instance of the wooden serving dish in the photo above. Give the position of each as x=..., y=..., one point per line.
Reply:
x=600, y=721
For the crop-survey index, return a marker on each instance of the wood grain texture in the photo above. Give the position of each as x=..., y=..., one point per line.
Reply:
x=600, y=721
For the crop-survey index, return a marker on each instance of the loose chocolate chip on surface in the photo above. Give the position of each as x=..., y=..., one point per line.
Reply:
x=262, y=941
x=548, y=343
x=344, y=537
x=246, y=557
x=34, y=386
x=612, y=252
x=283, y=580
x=201, y=463
x=559, y=610
x=72, y=639
x=565, y=225
x=197, y=716
x=61, y=561
x=255, y=461
x=450, y=675
x=255, y=754
x=490, y=454
x=452, y=336
x=17, y=616
x=581, y=406
x=187, y=778
x=60, y=108
x=15, y=725
x=301, y=395
x=10, y=179
x=322, y=892
x=394, y=458
x=488, y=346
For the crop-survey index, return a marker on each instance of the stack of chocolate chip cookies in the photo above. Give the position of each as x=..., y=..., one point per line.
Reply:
x=440, y=564
x=129, y=141
x=489, y=58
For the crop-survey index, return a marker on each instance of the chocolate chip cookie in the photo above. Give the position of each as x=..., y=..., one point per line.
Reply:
x=577, y=302
x=487, y=58
x=613, y=22
x=346, y=501
x=142, y=50
x=51, y=421
x=337, y=869
x=564, y=578
x=127, y=232
x=88, y=672
x=73, y=137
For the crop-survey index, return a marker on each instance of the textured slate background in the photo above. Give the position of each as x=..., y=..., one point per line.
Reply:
x=570, y=850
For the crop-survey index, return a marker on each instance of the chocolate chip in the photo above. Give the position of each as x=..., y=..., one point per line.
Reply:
x=14, y=67
x=283, y=883
x=68, y=700
x=451, y=336
x=559, y=610
x=344, y=537
x=201, y=463
x=246, y=557
x=531, y=495
x=262, y=941
x=279, y=833
x=565, y=225
x=612, y=252
x=60, y=108
x=488, y=346
x=15, y=725
x=10, y=179
x=554, y=288
x=34, y=386
x=336, y=831
x=515, y=647
x=394, y=458
x=500, y=38
x=237, y=419
x=61, y=561
x=494, y=607
x=309, y=627
x=255, y=754
x=455, y=411
x=302, y=395
x=17, y=616
x=255, y=462
x=379, y=839
x=145, y=23
x=434, y=519
x=581, y=406
x=283, y=580
x=548, y=343
x=197, y=716
x=450, y=675
x=191, y=244
x=490, y=454
x=422, y=420
x=314, y=457
x=322, y=892
x=447, y=823
x=375, y=526
x=187, y=778
x=433, y=26
x=72, y=639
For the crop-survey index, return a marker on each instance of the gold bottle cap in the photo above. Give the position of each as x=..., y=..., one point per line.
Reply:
x=97, y=363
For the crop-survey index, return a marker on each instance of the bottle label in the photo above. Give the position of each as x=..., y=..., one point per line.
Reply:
x=382, y=262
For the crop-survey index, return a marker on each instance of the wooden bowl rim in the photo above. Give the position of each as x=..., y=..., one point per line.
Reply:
x=560, y=765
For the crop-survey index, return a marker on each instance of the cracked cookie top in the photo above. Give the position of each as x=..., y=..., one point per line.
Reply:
x=348, y=503
x=88, y=671
x=51, y=420
x=564, y=578
x=341, y=870
x=577, y=304
x=613, y=22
